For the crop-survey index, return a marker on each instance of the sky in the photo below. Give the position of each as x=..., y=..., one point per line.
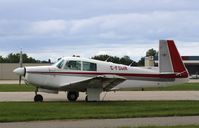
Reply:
x=50, y=29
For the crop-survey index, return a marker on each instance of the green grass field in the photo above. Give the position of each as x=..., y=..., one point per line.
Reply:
x=28, y=111
x=16, y=88
x=179, y=87
x=186, y=126
x=25, y=88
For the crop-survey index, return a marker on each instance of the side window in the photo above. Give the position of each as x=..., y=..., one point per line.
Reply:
x=87, y=66
x=60, y=64
x=73, y=65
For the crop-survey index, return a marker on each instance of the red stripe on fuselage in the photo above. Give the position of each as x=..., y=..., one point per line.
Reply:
x=119, y=74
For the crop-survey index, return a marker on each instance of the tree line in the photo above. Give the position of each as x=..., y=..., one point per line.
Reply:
x=14, y=58
x=126, y=60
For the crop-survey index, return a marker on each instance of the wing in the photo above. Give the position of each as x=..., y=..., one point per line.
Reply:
x=102, y=81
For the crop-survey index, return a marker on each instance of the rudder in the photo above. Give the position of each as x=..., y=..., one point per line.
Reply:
x=170, y=60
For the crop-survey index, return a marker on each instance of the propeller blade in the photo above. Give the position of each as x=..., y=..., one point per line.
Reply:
x=20, y=80
x=21, y=60
x=20, y=64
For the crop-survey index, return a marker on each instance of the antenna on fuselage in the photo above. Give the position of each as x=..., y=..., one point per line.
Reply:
x=108, y=58
x=131, y=63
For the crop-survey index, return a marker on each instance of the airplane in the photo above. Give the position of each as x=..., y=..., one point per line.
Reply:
x=77, y=74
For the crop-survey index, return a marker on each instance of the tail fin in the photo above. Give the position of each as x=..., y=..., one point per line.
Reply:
x=170, y=60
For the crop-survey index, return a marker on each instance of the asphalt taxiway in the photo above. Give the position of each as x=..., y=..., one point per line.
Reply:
x=109, y=96
x=106, y=123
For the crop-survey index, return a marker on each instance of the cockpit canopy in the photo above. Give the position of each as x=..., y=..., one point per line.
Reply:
x=76, y=65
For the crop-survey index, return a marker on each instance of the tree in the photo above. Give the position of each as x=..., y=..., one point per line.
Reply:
x=101, y=57
x=14, y=58
x=1, y=59
x=126, y=60
x=141, y=61
x=151, y=52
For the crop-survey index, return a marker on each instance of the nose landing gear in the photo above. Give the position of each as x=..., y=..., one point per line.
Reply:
x=38, y=97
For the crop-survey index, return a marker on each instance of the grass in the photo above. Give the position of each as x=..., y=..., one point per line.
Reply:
x=180, y=87
x=186, y=126
x=29, y=111
x=16, y=88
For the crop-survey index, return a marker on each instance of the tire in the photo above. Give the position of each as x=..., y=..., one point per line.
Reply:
x=38, y=98
x=72, y=95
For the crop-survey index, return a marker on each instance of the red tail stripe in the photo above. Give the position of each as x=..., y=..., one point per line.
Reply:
x=176, y=59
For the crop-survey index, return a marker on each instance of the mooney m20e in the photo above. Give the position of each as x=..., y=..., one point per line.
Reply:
x=76, y=74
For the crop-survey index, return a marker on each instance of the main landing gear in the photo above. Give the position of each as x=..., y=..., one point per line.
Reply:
x=72, y=95
x=38, y=97
x=92, y=94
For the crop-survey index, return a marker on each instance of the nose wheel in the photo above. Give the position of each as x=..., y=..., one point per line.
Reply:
x=38, y=97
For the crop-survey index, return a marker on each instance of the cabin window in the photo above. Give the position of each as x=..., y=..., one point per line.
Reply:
x=60, y=64
x=87, y=66
x=73, y=65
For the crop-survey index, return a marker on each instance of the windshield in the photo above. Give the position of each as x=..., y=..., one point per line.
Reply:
x=59, y=63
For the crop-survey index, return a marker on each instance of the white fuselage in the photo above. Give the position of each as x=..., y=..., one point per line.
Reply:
x=54, y=77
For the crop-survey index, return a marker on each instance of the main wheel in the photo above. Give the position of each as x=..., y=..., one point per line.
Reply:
x=72, y=95
x=38, y=98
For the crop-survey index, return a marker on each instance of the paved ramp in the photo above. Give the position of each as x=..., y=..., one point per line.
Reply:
x=109, y=96
x=106, y=123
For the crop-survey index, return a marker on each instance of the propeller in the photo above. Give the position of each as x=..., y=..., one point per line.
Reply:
x=21, y=71
x=20, y=65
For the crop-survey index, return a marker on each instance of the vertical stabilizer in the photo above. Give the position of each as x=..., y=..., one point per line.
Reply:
x=165, y=64
x=170, y=60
